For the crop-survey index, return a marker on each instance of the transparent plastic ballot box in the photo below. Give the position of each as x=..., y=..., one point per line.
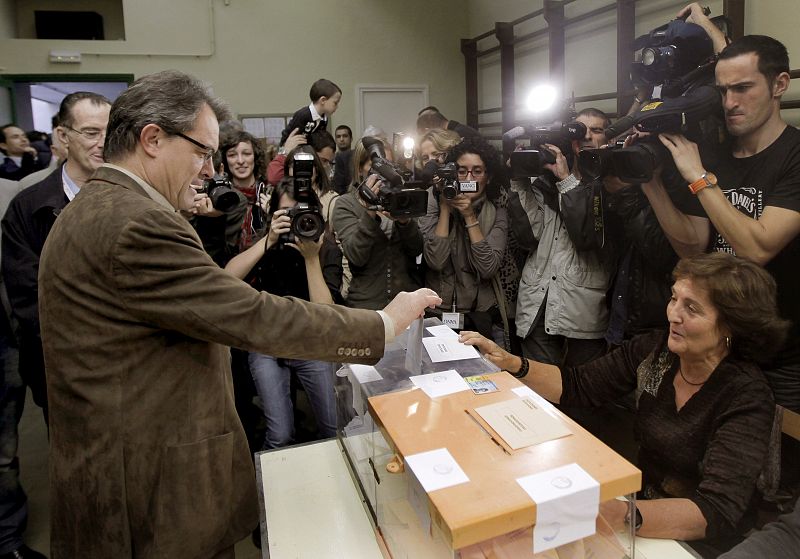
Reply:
x=356, y=430
x=490, y=515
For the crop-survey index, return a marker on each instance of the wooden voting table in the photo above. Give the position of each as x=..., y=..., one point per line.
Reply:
x=492, y=503
x=311, y=509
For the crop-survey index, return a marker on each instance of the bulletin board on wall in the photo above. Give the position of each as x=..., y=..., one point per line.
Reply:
x=267, y=127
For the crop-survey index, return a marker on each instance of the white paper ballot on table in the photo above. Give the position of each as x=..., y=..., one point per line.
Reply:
x=567, y=503
x=365, y=373
x=522, y=422
x=448, y=349
x=441, y=383
x=442, y=331
x=436, y=469
x=527, y=392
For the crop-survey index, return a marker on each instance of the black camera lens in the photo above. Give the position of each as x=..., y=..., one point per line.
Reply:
x=595, y=163
x=637, y=163
x=224, y=200
x=308, y=225
x=223, y=197
x=450, y=190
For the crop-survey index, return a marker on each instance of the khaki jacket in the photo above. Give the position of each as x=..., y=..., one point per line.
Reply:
x=147, y=455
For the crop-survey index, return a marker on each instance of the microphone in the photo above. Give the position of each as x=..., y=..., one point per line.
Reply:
x=379, y=162
x=621, y=125
x=514, y=133
x=429, y=170
x=374, y=147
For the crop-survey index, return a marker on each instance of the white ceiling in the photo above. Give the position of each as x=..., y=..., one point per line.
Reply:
x=54, y=92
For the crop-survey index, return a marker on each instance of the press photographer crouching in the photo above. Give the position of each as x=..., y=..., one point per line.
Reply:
x=380, y=248
x=465, y=239
x=294, y=259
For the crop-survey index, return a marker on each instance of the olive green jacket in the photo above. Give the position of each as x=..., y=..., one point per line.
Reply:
x=147, y=455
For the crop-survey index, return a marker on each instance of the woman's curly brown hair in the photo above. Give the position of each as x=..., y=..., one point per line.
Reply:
x=490, y=157
x=744, y=295
x=234, y=139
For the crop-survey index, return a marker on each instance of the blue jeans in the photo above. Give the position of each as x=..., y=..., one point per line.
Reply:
x=272, y=376
x=13, y=502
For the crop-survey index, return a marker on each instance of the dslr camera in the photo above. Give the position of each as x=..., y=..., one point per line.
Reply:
x=678, y=57
x=444, y=179
x=307, y=220
x=530, y=162
x=219, y=190
x=400, y=197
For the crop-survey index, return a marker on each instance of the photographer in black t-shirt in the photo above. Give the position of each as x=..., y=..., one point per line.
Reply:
x=750, y=196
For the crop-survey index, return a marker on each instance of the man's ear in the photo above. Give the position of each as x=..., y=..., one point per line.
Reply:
x=781, y=84
x=322, y=99
x=61, y=132
x=151, y=139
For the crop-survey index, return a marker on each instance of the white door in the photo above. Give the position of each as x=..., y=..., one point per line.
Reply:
x=392, y=108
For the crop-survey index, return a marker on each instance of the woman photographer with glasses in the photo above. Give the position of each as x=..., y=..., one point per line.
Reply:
x=465, y=239
x=283, y=265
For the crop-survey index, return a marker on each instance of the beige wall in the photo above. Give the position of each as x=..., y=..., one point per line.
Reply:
x=8, y=17
x=262, y=55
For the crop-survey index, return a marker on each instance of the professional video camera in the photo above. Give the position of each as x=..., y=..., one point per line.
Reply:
x=677, y=57
x=444, y=179
x=220, y=192
x=307, y=221
x=696, y=114
x=530, y=162
x=400, y=197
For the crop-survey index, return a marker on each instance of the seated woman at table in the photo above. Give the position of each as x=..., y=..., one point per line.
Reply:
x=704, y=409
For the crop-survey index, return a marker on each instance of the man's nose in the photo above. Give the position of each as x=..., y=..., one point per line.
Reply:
x=207, y=170
x=729, y=100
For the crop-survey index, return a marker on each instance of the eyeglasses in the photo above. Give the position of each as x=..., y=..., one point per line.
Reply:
x=209, y=152
x=91, y=134
x=476, y=172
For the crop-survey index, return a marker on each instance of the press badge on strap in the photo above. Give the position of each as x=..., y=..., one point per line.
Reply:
x=454, y=320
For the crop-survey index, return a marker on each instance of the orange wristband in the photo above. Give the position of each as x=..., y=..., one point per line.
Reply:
x=708, y=179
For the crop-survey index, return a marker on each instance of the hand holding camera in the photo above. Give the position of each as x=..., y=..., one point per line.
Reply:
x=280, y=227
x=462, y=204
x=203, y=205
x=263, y=201
x=685, y=154
x=308, y=248
x=560, y=168
x=373, y=183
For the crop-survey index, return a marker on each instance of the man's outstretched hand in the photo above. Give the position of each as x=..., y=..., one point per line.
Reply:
x=406, y=307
